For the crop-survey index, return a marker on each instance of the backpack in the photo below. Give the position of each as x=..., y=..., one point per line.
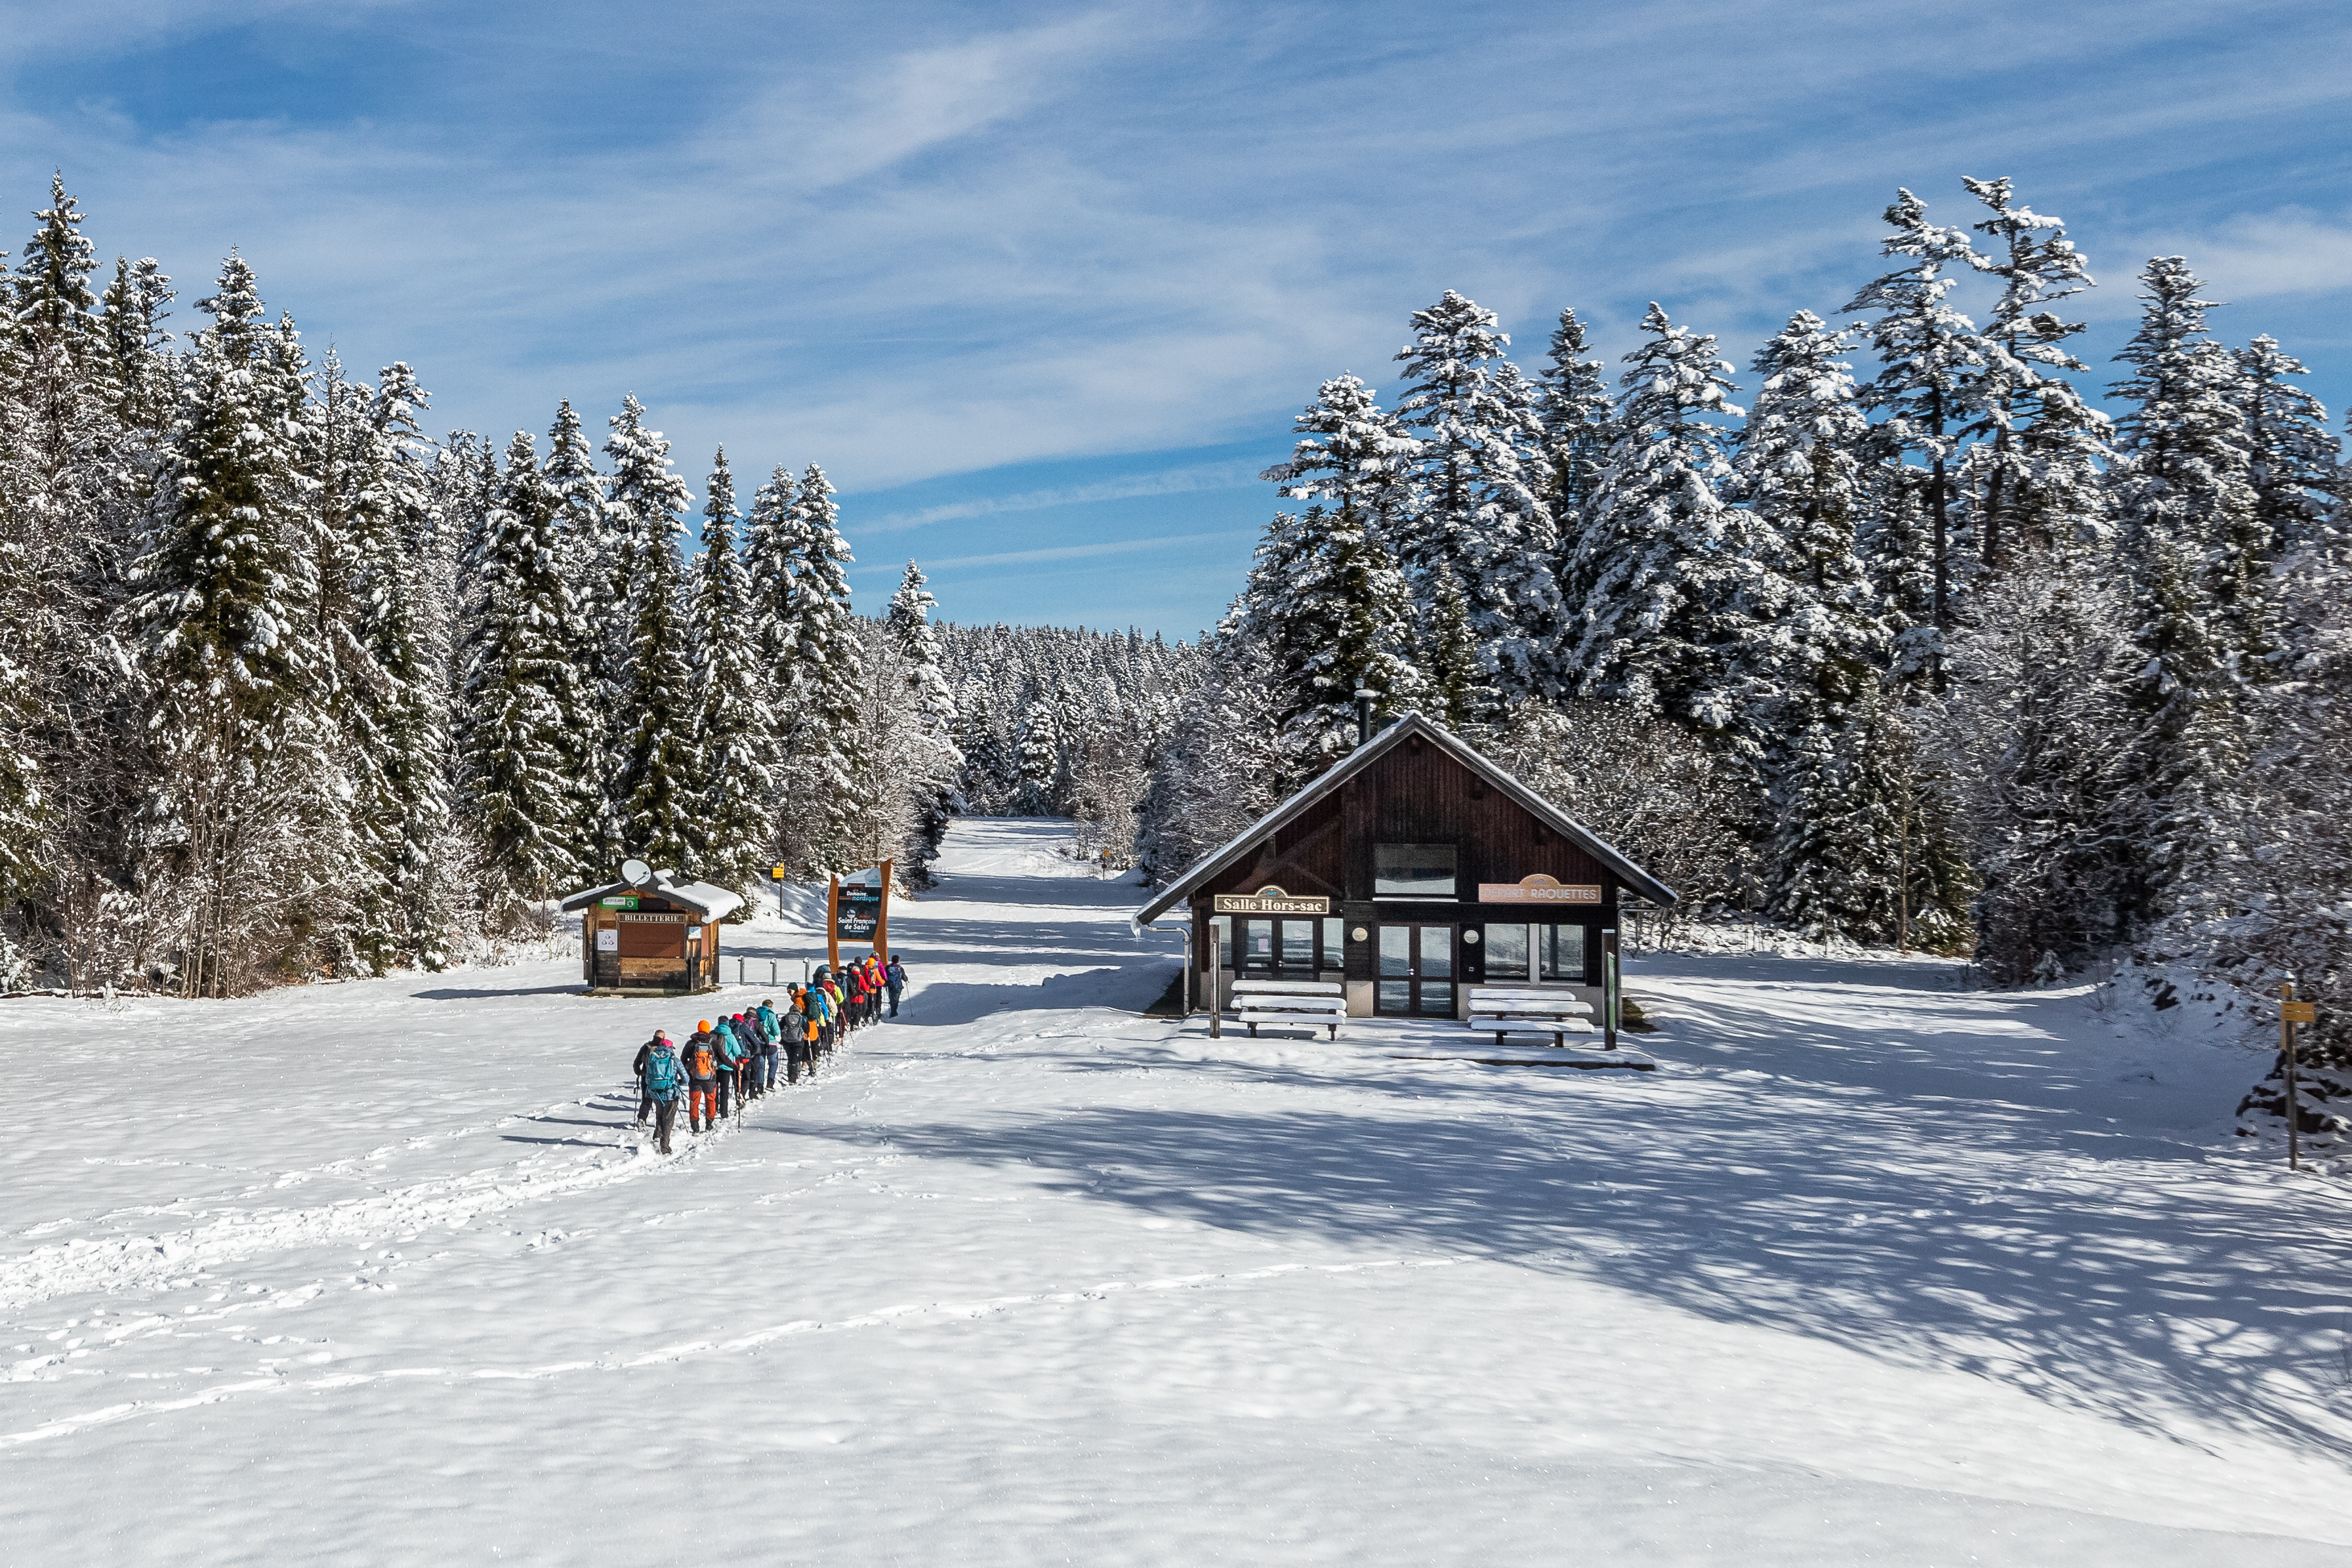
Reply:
x=700, y=1062
x=661, y=1073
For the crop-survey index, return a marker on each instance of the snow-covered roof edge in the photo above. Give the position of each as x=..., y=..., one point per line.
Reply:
x=1221, y=859
x=715, y=904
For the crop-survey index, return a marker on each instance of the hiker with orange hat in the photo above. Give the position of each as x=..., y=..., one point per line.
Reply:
x=701, y=1059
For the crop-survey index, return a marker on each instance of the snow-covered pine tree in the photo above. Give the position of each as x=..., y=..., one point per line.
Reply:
x=771, y=551
x=2043, y=443
x=654, y=783
x=1475, y=418
x=1799, y=466
x=2035, y=730
x=825, y=746
x=73, y=484
x=527, y=724
x=244, y=818
x=1453, y=690
x=734, y=732
x=1223, y=767
x=1040, y=751
x=1354, y=454
x=2193, y=548
x=1335, y=614
x=1677, y=584
x=909, y=619
x=2293, y=454
x=598, y=589
x=141, y=365
x=1577, y=412
x=1932, y=384
x=405, y=614
x=911, y=759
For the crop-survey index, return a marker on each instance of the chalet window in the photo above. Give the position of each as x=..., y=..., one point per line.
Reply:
x=1413, y=871
x=1556, y=952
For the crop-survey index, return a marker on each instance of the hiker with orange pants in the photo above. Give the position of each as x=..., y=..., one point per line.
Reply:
x=701, y=1058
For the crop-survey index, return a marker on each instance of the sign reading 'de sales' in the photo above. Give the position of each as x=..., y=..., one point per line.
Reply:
x=1538, y=889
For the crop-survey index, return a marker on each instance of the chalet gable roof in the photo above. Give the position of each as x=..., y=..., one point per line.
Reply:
x=1218, y=861
x=713, y=902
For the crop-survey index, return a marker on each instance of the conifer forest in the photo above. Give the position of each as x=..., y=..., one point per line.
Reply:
x=1915, y=630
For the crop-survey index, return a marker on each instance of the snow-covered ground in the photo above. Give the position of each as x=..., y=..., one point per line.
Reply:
x=1872, y=1270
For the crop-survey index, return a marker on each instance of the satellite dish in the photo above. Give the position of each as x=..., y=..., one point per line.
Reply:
x=637, y=873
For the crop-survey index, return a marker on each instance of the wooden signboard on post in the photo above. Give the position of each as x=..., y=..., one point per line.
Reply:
x=860, y=912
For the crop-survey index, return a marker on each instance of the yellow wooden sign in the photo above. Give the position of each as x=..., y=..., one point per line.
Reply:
x=2298, y=1012
x=775, y=873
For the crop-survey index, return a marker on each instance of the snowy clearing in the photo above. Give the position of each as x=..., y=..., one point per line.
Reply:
x=1872, y=1270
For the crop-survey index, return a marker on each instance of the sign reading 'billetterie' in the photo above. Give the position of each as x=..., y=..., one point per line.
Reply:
x=1538, y=889
x=1270, y=900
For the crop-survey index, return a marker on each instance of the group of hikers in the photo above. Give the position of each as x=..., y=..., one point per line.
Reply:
x=732, y=1061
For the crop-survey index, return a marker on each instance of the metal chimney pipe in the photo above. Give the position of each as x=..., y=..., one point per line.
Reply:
x=1364, y=696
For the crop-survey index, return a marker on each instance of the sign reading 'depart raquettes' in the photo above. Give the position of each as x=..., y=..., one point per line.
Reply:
x=1271, y=900
x=1538, y=889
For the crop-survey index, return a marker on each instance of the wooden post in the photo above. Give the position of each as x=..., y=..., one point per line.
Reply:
x=1611, y=984
x=2286, y=1044
x=882, y=917
x=833, y=922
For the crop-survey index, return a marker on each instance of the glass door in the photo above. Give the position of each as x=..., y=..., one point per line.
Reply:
x=1277, y=950
x=1416, y=971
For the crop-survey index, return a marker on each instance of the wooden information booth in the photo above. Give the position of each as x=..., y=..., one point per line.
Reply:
x=650, y=933
x=1412, y=870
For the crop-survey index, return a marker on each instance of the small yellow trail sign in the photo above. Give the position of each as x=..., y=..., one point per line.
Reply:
x=2298, y=1012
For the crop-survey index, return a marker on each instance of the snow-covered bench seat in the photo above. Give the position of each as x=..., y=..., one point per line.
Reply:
x=1306, y=1004
x=1505, y=1009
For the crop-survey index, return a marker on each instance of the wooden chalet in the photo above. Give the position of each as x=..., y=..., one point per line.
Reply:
x=1412, y=870
x=658, y=936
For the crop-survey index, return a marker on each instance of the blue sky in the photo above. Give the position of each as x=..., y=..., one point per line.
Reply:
x=1041, y=285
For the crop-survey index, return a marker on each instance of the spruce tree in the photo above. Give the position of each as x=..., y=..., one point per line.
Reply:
x=1474, y=418
x=1676, y=583
x=1447, y=653
x=1799, y=468
x=826, y=740
x=734, y=729
x=770, y=549
x=2293, y=455
x=2032, y=477
x=1934, y=381
x=242, y=818
x=2194, y=550
x=1577, y=412
x=527, y=729
x=594, y=580
x=655, y=785
x=1335, y=614
x=1354, y=454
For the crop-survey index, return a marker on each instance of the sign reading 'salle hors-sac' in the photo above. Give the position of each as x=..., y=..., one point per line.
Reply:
x=1538, y=889
x=1270, y=900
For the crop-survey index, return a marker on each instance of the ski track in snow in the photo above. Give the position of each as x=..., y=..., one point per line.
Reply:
x=1941, y=1265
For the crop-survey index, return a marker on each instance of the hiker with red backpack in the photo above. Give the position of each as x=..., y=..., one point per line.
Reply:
x=700, y=1059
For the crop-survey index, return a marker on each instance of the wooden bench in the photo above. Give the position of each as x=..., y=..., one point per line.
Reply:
x=1304, y=1002
x=1506, y=1009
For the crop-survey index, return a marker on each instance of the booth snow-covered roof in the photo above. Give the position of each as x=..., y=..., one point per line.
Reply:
x=715, y=903
x=1218, y=861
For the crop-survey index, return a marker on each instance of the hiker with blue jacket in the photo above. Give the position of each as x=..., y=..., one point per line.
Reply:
x=771, y=1038
x=661, y=1080
x=895, y=976
x=730, y=1064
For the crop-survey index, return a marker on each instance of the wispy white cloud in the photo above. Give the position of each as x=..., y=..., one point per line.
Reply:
x=1234, y=475
x=1081, y=552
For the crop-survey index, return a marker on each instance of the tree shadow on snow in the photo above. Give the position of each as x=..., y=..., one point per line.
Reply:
x=1849, y=1226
